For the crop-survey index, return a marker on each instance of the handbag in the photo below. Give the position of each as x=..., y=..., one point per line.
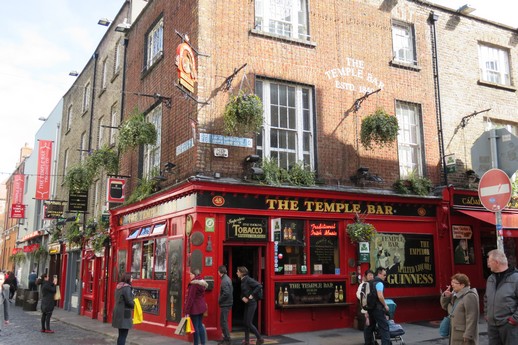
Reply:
x=57, y=295
x=444, y=327
x=138, y=317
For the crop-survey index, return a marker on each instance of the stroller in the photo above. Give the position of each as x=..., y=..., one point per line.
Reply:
x=395, y=329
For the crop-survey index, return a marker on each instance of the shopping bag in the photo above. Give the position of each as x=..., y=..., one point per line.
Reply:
x=189, y=327
x=138, y=317
x=180, y=329
x=57, y=295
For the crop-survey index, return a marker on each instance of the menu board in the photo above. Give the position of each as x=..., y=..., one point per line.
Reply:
x=323, y=249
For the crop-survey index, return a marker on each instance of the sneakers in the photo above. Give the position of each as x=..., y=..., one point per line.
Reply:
x=42, y=331
x=259, y=341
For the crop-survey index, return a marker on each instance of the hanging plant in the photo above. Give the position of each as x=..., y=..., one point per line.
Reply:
x=78, y=178
x=41, y=252
x=145, y=188
x=359, y=231
x=99, y=241
x=136, y=131
x=243, y=114
x=18, y=258
x=74, y=233
x=104, y=157
x=413, y=184
x=379, y=128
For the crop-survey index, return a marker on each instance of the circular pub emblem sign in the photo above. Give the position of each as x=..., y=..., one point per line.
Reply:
x=218, y=200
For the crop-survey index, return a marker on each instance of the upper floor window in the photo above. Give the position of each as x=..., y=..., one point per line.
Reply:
x=494, y=65
x=287, y=135
x=86, y=97
x=152, y=152
x=287, y=18
x=403, y=43
x=104, y=77
x=410, y=142
x=113, y=123
x=117, y=56
x=70, y=115
x=83, y=151
x=155, y=43
x=100, y=137
x=65, y=164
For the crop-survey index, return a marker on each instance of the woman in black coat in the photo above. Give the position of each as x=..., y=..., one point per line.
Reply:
x=122, y=311
x=48, y=290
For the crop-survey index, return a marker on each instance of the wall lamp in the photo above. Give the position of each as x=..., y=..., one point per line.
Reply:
x=252, y=159
x=42, y=118
x=466, y=9
x=256, y=172
x=472, y=176
x=124, y=26
x=169, y=166
x=104, y=22
x=363, y=175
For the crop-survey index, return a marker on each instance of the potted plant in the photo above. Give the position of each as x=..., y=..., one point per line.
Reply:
x=413, y=184
x=359, y=231
x=379, y=128
x=298, y=174
x=136, y=131
x=243, y=114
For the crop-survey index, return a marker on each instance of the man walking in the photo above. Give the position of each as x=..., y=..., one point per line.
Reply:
x=501, y=300
x=377, y=314
x=225, y=300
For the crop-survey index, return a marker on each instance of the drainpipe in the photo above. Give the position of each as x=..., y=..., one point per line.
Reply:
x=433, y=18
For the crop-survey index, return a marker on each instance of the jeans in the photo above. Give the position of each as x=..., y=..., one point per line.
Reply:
x=377, y=317
x=45, y=320
x=250, y=308
x=223, y=320
x=123, y=334
x=197, y=322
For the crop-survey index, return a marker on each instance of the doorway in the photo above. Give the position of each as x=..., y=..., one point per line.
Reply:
x=252, y=257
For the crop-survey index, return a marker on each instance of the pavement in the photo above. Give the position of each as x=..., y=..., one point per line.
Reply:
x=415, y=333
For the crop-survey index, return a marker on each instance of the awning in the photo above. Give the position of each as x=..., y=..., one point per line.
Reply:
x=509, y=220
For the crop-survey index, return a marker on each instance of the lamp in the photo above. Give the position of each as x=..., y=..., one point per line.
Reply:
x=472, y=176
x=73, y=73
x=104, y=22
x=124, y=26
x=169, y=166
x=42, y=118
x=363, y=175
x=256, y=171
x=466, y=9
x=252, y=158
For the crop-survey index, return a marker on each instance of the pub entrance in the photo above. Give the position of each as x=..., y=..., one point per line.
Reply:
x=252, y=257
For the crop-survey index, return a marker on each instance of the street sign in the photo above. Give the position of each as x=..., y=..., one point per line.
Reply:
x=494, y=190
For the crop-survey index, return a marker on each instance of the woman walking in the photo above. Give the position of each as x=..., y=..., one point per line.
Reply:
x=249, y=292
x=48, y=290
x=462, y=303
x=195, y=304
x=122, y=311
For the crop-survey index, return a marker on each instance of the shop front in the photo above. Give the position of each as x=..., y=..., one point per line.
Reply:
x=293, y=241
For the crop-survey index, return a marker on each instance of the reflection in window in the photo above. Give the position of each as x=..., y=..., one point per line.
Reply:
x=136, y=259
x=147, y=259
x=160, y=258
x=291, y=255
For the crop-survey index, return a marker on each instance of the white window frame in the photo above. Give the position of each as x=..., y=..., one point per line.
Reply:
x=287, y=18
x=97, y=199
x=86, y=97
x=104, y=76
x=410, y=141
x=100, y=137
x=295, y=140
x=114, y=123
x=82, y=151
x=65, y=164
x=117, y=56
x=155, y=43
x=494, y=64
x=151, y=157
x=403, y=43
x=70, y=116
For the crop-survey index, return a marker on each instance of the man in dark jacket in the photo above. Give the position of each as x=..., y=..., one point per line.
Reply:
x=225, y=300
x=377, y=316
x=250, y=289
x=501, y=300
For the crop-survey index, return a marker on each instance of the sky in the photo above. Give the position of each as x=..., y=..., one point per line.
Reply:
x=41, y=41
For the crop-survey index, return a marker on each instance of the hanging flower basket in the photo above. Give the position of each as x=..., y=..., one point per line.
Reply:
x=360, y=231
x=379, y=128
x=243, y=114
x=136, y=131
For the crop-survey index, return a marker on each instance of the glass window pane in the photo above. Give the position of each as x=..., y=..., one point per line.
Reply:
x=274, y=94
x=136, y=259
x=292, y=137
x=160, y=258
x=291, y=96
x=283, y=117
x=282, y=139
x=274, y=116
x=292, y=123
x=274, y=142
x=147, y=260
x=282, y=95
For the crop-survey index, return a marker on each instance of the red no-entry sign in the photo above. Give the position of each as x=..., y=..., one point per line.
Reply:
x=494, y=190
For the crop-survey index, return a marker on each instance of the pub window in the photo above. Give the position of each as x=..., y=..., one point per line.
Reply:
x=136, y=259
x=148, y=254
x=291, y=253
x=324, y=255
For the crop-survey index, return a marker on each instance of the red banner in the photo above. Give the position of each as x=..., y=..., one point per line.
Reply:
x=18, y=211
x=31, y=247
x=16, y=251
x=44, y=165
x=18, y=186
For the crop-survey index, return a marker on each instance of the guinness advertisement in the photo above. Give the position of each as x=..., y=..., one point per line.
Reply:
x=326, y=206
x=408, y=259
x=241, y=228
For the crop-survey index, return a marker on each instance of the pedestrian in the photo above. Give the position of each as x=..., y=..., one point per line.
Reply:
x=501, y=300
x=4, y=297
x=367, y=277
x=32, y=281
x=13, y=284
x=462, y=303
x=378, y=315
x=225, y=301
x=250, y=289
x=48, y=290
x=195, y=305
x=123, y=308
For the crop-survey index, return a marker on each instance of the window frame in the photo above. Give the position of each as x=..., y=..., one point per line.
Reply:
x=104, y=75
x=298, y=22
x=502, y=76
x=410, y=125
x=113, y=123
x=410, y=54
x=83, y=149
x=152, y=153
x=86, y=97
x=117, y=56
x=70, y=116
x=139, y=257
x=154, y=43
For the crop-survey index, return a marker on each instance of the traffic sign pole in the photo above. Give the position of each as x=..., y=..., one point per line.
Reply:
x=499, y=230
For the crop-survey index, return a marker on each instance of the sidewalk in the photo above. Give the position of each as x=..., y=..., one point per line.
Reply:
x=414, y=333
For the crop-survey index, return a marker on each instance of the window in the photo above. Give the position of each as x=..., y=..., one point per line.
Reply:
x=152, y=152
x=288, y=123
x=409, y=139
x=97, y=198
x=117, y=57
x=287, y=18
x=104, y=76
x=149, y=259
x=494, y=65
x=86, y=97
x=83, y=150
x=403, y=43
x=70, y=115
x=113, y=123
x=154, y=44
x=100, y=137
x=65, y=164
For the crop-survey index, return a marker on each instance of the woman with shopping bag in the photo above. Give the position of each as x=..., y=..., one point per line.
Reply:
x=122, y=311
x=195, y=306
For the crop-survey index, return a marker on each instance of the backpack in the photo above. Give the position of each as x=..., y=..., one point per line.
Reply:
x=369, y=295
